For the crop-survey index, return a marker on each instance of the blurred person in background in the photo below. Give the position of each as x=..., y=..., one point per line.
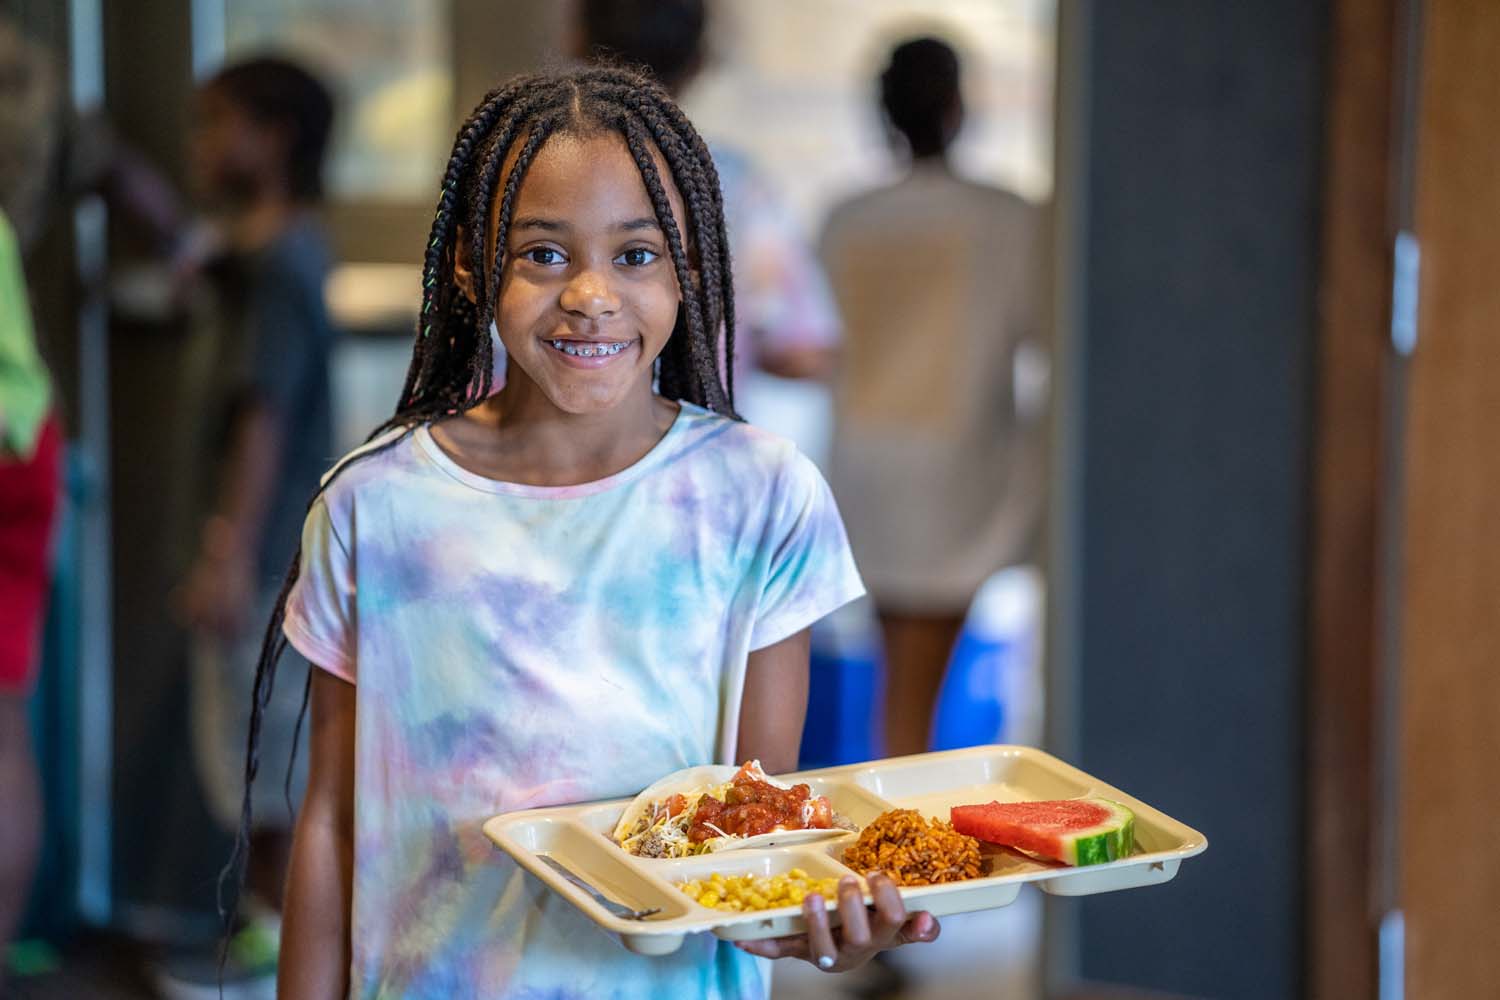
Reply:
x=786, y=323
x=258, y=146
x=936, y=460
x=49, y=156
x=30, y=483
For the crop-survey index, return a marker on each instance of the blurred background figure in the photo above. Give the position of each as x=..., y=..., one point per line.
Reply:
x=30, y=483
x=49, y=156
x=937, y=460
x=785, y=324
x=260, y=366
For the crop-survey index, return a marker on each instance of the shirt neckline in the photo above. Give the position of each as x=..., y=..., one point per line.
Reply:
x=440, y=458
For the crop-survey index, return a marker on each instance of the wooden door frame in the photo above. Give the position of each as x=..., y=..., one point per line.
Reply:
x=1367, y=153
x=1447, y=741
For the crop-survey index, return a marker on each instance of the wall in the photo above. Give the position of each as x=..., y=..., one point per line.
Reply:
x=1196, y=307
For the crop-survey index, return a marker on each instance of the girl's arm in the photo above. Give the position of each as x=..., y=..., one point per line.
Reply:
x=771, y=716
x=774, y=705
x=315, y=928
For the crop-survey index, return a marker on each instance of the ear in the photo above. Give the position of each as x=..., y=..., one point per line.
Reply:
x=463, y=274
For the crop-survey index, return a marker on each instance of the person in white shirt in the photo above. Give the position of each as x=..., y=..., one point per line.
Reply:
x=935, y=463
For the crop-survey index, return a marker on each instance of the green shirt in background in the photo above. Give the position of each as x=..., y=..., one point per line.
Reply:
x=25, y=394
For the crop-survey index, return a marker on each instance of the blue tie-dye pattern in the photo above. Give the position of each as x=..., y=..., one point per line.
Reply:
x=516, y=647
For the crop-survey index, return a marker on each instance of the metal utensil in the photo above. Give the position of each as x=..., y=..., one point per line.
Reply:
x=618, y=909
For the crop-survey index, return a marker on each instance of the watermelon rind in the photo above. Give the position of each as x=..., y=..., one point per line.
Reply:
x=1110, y=840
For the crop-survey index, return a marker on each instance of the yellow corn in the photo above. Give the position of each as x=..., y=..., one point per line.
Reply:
x=738, y=893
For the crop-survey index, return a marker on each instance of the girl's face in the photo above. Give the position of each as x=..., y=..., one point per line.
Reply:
x=588, y=292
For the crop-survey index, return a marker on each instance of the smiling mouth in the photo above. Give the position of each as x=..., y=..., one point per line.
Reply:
x=588, y=349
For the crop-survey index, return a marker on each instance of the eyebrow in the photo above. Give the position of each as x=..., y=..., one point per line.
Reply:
x=558, y=226
x=645, y=222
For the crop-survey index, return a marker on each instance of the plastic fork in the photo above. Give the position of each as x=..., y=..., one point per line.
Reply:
x=618, y=909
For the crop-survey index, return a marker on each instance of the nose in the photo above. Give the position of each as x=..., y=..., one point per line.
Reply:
x=590, y=295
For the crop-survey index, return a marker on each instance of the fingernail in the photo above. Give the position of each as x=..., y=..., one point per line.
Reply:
x=825, y=962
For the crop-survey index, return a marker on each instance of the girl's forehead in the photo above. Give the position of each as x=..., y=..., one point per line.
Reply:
x=589, y=181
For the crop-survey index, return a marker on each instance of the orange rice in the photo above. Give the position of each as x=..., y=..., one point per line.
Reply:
x=914, y=850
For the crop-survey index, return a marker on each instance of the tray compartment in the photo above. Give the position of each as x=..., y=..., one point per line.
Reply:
x=613, y=872
x=933, y=787
x=755, y=924
x=1006, y=774
x=527, y=837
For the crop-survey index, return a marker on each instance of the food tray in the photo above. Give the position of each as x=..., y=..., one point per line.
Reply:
x=578, y=837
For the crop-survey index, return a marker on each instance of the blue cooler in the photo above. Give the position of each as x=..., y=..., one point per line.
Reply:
x=989, y=694
x=843, y=688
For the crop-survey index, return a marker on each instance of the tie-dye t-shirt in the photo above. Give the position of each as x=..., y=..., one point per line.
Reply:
x=519, y=646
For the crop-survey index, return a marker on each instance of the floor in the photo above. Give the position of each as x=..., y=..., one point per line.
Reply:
x=992, y=955
x=98, y=967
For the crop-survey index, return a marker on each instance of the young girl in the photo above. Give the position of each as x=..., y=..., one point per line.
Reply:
x=557, y=593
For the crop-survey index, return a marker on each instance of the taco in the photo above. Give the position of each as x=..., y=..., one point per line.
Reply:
x=717, y=808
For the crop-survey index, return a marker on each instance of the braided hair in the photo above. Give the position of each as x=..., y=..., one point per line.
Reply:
x=452, y=357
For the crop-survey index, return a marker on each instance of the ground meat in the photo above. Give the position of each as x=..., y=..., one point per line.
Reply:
x=914, y=850
x=651, y=846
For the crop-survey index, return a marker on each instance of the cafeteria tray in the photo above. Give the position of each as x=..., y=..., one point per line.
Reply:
x=578, y=838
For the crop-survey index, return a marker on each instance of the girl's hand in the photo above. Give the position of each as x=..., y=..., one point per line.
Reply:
x=865, y=931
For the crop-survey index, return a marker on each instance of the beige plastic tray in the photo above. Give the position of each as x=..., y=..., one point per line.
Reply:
x=578, y=837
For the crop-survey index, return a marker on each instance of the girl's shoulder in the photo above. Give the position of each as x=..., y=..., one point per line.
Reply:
x=741, y=455
x=370, y=465
x=734, y=440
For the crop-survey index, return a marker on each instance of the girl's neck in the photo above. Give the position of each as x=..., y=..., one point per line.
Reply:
x=519, y=436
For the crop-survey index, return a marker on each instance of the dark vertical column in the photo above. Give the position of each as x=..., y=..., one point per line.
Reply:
x=166, y=849
x=1200, y=250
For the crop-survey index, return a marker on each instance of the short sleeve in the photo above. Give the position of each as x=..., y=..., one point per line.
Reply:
x=320, y=609
x=811, y=572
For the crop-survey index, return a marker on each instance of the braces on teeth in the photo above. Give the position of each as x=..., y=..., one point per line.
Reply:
x=589, y=351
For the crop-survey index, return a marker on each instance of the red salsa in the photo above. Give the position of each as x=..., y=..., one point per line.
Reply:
x=753, y=806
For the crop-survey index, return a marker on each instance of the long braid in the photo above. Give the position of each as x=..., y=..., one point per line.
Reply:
x=437, y=250
x=697, y=341
x=450, y=369
x=488, y=290
x=705, y=208
x=480, y=197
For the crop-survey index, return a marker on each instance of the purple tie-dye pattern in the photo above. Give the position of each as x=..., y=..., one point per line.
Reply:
x=515, y=647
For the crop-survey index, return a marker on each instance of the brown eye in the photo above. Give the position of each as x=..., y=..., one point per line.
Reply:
x=636, y=257
x=546, y=256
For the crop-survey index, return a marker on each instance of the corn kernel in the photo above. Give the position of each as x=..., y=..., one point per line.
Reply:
x=751, y=892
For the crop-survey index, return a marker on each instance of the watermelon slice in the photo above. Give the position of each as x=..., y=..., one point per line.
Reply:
x=1073, y=831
